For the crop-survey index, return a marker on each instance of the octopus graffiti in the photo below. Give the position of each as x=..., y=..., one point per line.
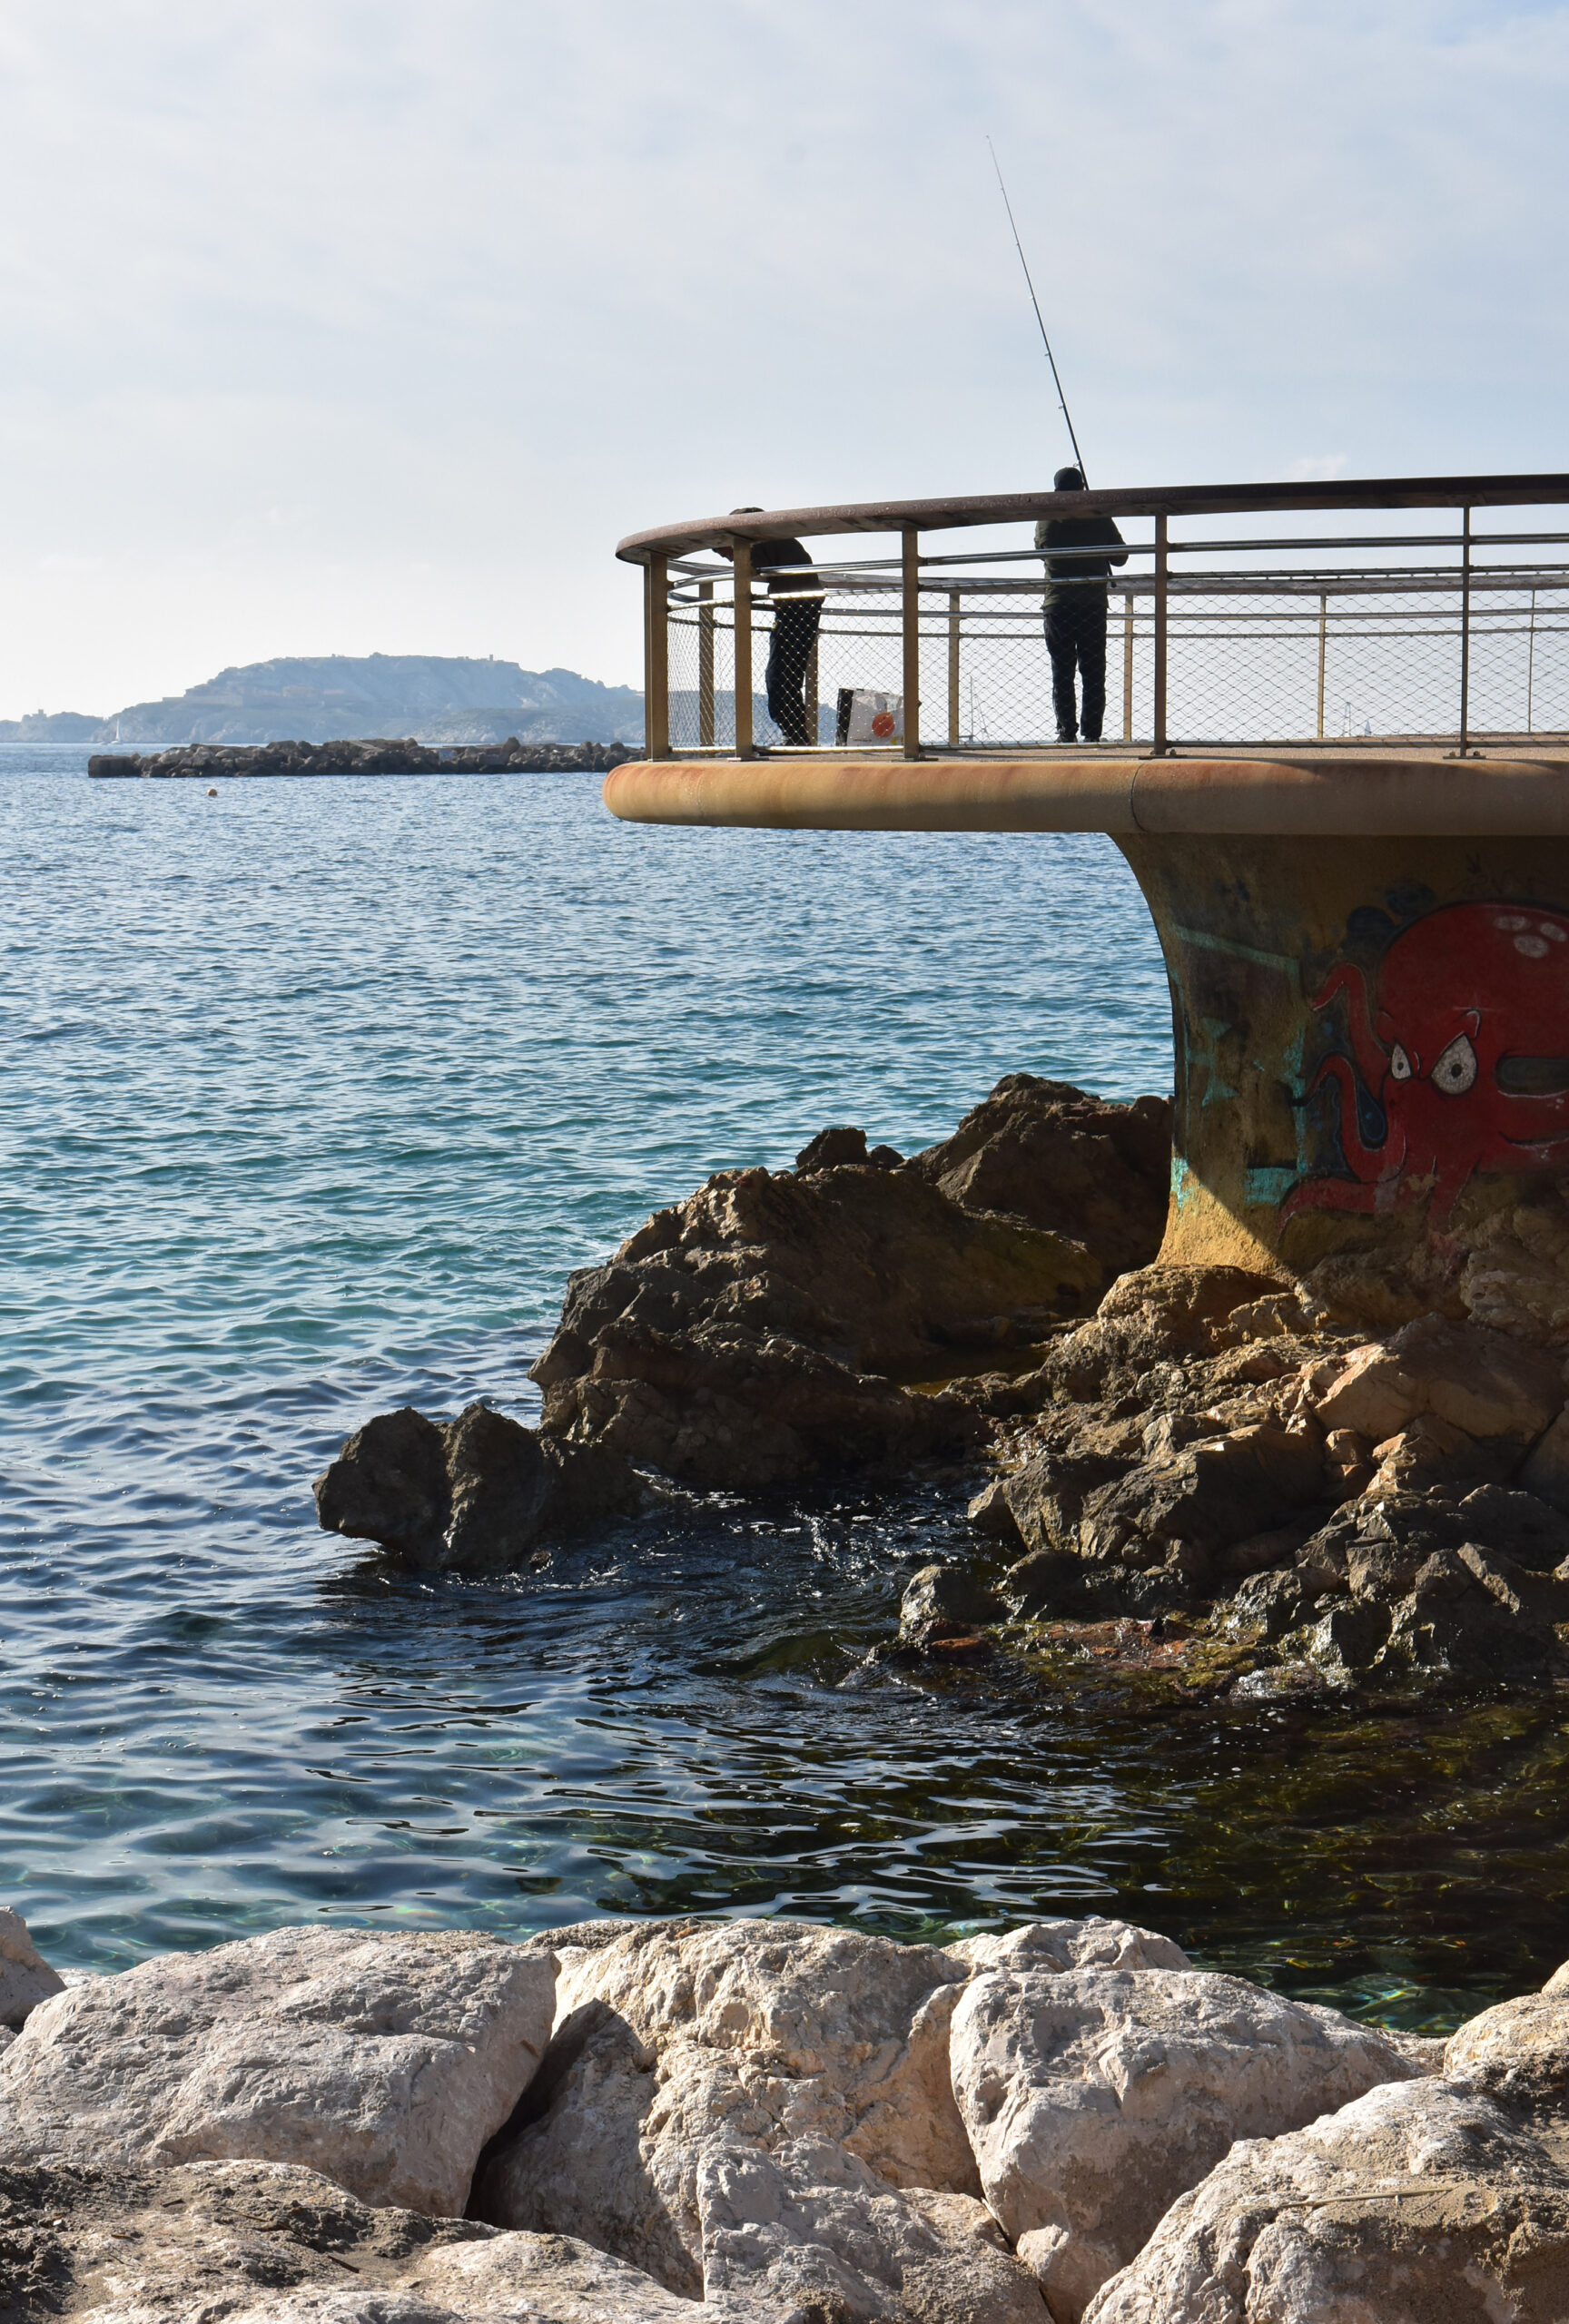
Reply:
x=1462, y=1045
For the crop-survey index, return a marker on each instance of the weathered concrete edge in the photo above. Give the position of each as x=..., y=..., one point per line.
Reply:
x=1301, y=796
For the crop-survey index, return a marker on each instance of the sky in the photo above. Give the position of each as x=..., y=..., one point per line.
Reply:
x=354, y=326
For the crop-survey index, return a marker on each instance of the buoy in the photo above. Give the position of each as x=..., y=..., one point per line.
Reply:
x=211, y=795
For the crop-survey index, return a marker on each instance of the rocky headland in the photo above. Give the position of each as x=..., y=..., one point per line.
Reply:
x=1183, y=1480
x=785, y=2123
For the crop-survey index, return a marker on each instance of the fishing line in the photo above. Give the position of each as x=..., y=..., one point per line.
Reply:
x=1034, y=302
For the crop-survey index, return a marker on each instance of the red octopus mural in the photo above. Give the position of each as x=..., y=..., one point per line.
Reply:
x=1464, y=1045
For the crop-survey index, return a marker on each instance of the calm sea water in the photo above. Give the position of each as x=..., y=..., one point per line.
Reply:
x=313, y=1094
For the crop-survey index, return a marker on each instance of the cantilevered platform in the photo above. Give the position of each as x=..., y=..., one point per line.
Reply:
x=1308, y=795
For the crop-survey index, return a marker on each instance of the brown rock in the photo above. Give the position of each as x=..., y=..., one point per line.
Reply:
x=1220, y=1491
x=1477, y=1380
x=1044, y=1151
x=761, y=1330
x=481, y=1493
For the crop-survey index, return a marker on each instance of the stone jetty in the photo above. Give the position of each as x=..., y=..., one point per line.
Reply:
x=204, y=760
x=782, y=2123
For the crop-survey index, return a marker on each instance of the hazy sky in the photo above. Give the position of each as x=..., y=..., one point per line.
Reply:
x=356, y=325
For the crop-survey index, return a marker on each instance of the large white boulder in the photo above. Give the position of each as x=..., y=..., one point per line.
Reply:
x=761, y=2110
x=384, y=2061
x=852, y=2028
x=1089, y=1944
x=1093, y=2097
x=1419, y=2203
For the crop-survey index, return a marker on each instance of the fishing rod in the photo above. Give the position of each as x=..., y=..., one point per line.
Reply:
x=1034, y=302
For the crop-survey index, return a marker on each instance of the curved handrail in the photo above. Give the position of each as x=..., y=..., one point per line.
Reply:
x=1153, y=500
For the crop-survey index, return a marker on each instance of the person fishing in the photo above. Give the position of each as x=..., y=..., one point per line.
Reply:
x=1075, y=601
x=797, y=601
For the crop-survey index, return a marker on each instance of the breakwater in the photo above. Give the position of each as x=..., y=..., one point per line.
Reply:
x=368, y=757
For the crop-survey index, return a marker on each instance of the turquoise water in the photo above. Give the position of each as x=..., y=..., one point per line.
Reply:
x=314, y=1092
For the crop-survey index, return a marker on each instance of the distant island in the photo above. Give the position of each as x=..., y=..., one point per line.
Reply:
x=434, y=698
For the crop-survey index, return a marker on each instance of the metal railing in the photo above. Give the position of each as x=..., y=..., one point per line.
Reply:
x=1452, y=638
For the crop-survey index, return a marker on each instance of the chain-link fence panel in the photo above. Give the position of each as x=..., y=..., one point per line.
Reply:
x=1279, y=657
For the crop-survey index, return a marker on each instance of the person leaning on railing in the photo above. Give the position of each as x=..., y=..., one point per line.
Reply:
x=1076, y=612
x=796, y=619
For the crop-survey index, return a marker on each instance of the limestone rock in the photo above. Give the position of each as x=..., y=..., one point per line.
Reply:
x=248, y=2243
x=710, y=2170
x=765, y=2105
x=812, y=2231
x=481, y=1493
x=385, y=2062
x=1478, y=1381
x=1518, y=2053
x=1093, y=2097
x=1418, y=2204
x=1059, y=1946
x=25, y=1977
x=852, y=2027
x=1044, y=1151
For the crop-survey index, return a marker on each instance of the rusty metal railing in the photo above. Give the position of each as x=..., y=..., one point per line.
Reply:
x=1456, y=640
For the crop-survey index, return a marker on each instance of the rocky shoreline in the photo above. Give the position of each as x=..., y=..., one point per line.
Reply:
x=786, y=2124
x=373, y=757
x=1192, y=1479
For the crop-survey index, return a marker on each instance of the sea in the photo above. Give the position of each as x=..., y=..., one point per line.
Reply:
x=314, y=1093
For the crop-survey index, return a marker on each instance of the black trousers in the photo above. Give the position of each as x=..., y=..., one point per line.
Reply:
x=796, y=621
x=1076, y=638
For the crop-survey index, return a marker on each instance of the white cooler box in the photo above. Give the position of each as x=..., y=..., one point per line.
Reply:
x=866, y=717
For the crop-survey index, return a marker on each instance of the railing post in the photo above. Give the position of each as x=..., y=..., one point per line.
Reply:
x=1465, y=628
x=1127, y=667
x=706, y=663
x=953, y=603
x=811, y=697
x=743, y=650
x=1159, y=744
x=1323, y=641
x=911, y=569
x=656, y=693
x=1531, y=664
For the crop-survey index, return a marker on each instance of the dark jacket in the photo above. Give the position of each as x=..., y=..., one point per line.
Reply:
x=771, y=557
x=1063, y=572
